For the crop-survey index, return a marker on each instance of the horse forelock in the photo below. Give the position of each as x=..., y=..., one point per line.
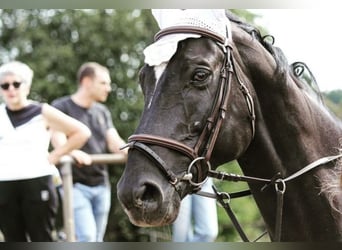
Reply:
x=158, y=71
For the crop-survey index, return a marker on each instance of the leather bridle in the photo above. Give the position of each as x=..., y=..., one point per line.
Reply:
x=203, y=148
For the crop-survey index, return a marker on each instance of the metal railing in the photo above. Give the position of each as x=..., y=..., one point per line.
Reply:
x=66, y=175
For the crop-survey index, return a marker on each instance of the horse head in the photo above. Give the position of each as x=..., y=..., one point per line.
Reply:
x=186, y=101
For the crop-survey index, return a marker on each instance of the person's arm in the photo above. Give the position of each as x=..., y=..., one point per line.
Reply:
x=114, y=141
x=75, y=132
x=82, y=158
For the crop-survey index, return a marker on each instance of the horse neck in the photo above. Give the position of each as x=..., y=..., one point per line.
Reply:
x=290, y=134
x=293, y=130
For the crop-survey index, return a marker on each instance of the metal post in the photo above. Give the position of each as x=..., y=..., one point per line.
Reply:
x=108, y=158
x=66, y=174
x=68, y=212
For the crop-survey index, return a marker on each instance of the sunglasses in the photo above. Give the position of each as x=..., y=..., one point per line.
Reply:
x=6, y=85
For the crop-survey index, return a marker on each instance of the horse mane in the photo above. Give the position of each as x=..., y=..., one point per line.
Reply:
x=332, y=186
x=277, y=53
x=303, y=78
x=306, y=81
x=299, y=71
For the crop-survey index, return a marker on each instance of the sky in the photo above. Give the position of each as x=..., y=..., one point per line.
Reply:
x=311, y=37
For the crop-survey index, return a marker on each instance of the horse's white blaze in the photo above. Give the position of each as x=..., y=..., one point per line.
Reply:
x=158, y=71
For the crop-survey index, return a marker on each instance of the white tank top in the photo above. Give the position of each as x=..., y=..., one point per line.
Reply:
x=24, y=149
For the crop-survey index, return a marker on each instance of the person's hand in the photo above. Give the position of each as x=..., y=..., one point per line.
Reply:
x=82, y=158
x=54, y=157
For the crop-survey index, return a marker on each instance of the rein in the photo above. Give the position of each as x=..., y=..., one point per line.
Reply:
x=278, y=183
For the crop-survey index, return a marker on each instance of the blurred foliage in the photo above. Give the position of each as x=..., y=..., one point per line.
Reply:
x=56, y=42
x=333, y=99
x=335, y=96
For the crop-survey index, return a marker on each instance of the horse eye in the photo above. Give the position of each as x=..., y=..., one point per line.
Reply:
x=200, y=76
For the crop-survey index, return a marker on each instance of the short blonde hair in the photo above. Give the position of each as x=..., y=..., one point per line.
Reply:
x=19, y=69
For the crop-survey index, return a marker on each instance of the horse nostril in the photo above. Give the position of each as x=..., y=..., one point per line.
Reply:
x=148, y=195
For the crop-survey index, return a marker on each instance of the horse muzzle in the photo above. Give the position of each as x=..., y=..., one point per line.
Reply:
x=148, y=203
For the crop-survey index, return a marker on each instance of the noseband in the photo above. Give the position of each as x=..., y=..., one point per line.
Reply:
x=207, y=139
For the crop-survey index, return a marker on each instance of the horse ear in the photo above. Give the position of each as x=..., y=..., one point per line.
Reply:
x=219, y=14
x=214, y=19
x=165, y=17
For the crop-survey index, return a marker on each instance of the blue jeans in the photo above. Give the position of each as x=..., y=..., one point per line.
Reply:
x=197, y=219
x=91, y=209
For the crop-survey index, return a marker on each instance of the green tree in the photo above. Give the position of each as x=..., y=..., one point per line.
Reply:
x=56, y=42
x=333, y=99
x=335, y=96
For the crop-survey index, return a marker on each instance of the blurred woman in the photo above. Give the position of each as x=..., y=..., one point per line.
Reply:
x=28, y=199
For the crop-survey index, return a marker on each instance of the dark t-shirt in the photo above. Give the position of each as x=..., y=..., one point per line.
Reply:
x=98, y=119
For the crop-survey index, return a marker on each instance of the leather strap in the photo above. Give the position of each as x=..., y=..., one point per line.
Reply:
x=191, y=29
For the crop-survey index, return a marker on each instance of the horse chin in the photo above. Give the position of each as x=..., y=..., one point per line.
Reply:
x=162, y=217
x=151, y=220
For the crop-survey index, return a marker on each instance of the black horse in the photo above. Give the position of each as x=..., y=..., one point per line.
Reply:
x=216, y=102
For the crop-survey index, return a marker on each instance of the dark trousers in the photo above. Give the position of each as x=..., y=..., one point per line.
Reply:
x=28, y=209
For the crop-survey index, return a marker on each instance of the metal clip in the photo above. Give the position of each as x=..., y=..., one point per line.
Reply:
x=280, y=186
x=221, y=196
